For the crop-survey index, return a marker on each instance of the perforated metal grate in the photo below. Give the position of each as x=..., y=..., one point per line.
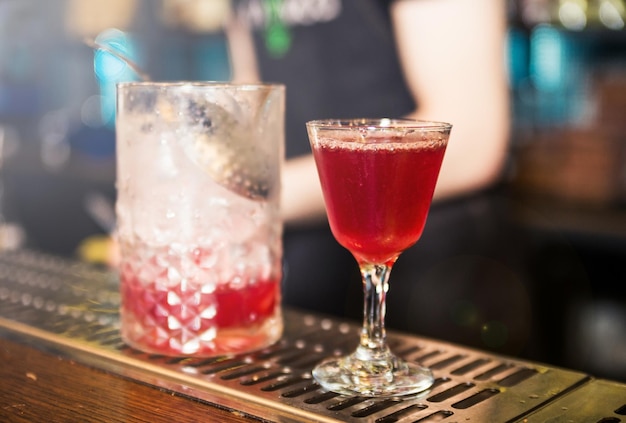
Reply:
x=73, y=308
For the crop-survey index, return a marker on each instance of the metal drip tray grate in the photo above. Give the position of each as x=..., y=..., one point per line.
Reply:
x=72, y=308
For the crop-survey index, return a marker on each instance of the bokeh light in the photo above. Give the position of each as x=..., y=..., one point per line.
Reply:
x=110, y=70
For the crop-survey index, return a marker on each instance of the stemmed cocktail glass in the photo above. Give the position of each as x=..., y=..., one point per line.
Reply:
x=378, y=177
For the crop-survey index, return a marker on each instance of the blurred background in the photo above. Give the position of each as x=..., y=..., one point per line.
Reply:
x=566, y=179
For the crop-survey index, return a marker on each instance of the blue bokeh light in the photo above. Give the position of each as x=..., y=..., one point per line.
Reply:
x=110, y=70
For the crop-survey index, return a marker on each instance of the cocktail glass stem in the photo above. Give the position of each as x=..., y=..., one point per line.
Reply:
x=375, y=286
x=373, y=370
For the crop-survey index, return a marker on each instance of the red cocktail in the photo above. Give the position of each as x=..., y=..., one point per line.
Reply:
x=378, y=195
x=378, y=178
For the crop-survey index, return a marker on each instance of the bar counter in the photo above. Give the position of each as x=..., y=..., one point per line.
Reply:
x=39, y=386
x=62, y=360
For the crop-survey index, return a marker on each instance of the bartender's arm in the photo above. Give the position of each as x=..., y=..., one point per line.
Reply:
x=453, y=56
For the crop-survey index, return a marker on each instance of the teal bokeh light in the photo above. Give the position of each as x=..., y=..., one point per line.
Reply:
x=550, y=58
x=110, y=70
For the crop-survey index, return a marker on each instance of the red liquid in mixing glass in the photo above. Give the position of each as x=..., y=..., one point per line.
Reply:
x=377, y=197
x=189, y=318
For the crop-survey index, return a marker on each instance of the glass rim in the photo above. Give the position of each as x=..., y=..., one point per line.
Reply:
x=379, y=124
x=202, y=84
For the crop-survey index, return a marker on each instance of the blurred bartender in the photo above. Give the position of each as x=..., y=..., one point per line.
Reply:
x=426, y=59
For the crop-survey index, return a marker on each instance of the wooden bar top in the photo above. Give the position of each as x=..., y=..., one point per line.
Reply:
x=37, y=386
